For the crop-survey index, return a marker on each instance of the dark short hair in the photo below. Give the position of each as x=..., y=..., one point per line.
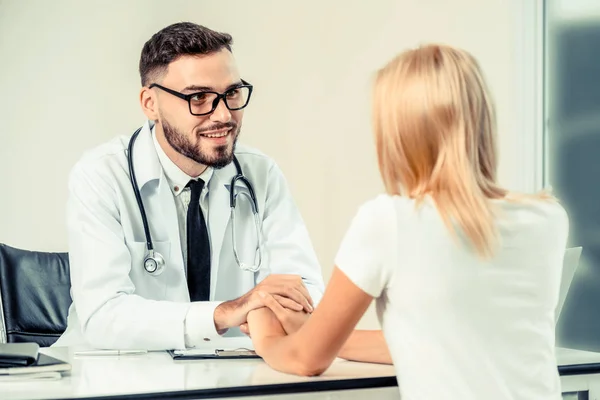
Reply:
x=176, y=40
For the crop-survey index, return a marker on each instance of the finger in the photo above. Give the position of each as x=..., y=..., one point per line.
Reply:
x=292, y=293
x=302, y=288
x=288, y=303
x=252, y=301
x=305, y=303
x=273, y=305
x=287, y=279
x=244, y=329
x=296, y=282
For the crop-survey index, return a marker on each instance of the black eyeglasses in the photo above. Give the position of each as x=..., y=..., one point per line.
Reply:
x=205, y=102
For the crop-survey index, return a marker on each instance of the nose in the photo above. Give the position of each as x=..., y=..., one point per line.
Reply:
x=221, y=113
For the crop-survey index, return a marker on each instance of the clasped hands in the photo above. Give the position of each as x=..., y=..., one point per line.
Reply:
x=284, y=295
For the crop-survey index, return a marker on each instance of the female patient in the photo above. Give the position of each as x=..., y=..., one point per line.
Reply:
x=465, y=274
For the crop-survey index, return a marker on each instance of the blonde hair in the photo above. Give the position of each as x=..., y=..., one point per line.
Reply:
x=435, y=132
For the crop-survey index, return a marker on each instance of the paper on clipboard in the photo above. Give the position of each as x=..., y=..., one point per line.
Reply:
x=223, y=348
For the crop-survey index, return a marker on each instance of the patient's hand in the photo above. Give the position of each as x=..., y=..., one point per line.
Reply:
x=262, y=324
x=290, y=320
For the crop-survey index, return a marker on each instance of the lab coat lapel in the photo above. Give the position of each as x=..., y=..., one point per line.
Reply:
x=219, y=211
x=156, y=195
x=219, y=222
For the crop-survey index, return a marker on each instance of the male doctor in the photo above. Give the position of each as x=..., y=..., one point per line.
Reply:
x=194, y=98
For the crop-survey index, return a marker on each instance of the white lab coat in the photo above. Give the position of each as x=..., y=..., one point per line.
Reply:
x=116, y=303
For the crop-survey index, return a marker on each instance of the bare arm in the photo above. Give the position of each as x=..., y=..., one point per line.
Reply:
x=366, y=346
x=362, y=345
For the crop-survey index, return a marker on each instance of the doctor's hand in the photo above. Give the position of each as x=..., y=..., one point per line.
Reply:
x=288, y=290
x=290, y=320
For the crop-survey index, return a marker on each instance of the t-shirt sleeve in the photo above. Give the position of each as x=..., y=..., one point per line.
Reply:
x=367, y=250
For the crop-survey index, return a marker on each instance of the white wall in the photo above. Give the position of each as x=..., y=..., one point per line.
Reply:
x=69, y=81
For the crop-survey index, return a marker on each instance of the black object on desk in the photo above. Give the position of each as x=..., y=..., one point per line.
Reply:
x=18, y=354
x=25, y=359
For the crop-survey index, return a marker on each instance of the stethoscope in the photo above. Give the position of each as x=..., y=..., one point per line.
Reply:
x=154, y=262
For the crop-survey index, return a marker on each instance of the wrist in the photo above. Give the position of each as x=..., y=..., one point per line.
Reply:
x=223, y=316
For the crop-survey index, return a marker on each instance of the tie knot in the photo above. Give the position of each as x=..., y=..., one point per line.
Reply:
x=195, y=184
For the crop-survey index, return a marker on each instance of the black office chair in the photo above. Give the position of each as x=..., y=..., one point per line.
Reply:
x=34, y=295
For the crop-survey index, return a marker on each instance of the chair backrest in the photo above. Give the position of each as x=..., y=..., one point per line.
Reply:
x=570, y=264
x=34, y=295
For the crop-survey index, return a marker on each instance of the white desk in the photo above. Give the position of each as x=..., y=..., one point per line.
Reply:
x=156, y=375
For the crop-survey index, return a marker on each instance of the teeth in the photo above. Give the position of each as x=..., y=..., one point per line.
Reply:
x=217, y=135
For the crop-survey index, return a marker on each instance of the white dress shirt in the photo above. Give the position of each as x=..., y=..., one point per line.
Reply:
x=177, y=183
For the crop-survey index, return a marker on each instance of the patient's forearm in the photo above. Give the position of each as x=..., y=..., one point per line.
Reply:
x=366, y=346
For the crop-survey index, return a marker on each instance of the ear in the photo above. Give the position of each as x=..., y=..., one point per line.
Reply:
x=149, y=103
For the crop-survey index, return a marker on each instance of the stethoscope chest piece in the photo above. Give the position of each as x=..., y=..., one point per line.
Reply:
x=154, y=263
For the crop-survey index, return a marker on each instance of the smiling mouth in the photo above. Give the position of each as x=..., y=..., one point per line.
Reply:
x=216, y=134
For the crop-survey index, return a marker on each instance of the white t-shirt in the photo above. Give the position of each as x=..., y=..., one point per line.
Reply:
x=458, y=327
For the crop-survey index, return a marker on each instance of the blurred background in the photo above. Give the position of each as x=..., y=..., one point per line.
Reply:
x=69, y=82
x=572, y=152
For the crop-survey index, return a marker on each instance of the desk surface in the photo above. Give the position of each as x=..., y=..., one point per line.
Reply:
x=566, y=357
x=156, y=373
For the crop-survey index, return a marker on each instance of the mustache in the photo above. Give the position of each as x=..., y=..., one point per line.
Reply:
x=219, y=126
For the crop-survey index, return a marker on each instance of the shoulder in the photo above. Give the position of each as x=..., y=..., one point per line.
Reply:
x=545, y=212
x=257, y=164
x=388, y=207
x=543, y=218
x=104, y=153
x=248, y=154
x=101, y=160
x=378, y=213
x=554, y=214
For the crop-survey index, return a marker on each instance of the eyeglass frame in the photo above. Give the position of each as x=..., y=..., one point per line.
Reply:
x=188, y=97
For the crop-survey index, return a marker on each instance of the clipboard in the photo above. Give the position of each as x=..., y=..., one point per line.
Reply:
x=223, y=348
x=219, y=354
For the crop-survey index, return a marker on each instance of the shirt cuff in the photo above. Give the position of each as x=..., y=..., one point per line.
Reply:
x=199, y=324
x=315, y=294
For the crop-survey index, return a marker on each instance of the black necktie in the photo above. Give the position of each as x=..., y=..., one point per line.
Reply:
x=198, y=247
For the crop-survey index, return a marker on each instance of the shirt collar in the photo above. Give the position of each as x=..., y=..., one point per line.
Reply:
x=176, y=178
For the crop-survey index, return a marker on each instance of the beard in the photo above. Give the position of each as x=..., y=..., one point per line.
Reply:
x=216, y=157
